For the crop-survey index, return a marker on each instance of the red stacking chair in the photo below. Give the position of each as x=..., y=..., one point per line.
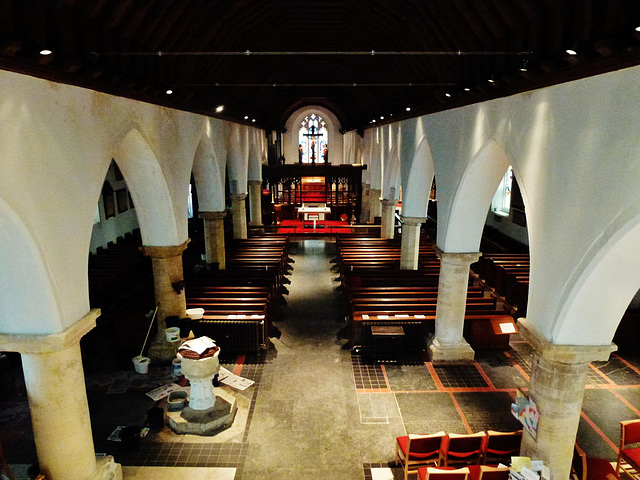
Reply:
x=630, y=434
x=587, y=468
x=434, y=473
x=413, y=451
x=464, y=449
x=501, y=446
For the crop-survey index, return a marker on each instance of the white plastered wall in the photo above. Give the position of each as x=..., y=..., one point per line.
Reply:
x=238, y=159
x=390, y=147
x=416, y=168
x=209, y=166
x=56, y=145
x=292, y=127
x=576, y=154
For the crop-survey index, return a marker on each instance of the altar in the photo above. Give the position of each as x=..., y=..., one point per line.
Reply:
x=313, y=212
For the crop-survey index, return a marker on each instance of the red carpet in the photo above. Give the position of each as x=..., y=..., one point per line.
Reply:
x=322, y=226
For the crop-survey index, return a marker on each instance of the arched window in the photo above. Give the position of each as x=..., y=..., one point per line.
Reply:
x=312, y=140
x=501, y=202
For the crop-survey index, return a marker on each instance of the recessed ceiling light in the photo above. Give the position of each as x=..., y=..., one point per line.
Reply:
x=169, y=92
x=246, y=117
x=373, y=121
x=45, y=52
x=447, y=95
x=219, y=108
x=467, y=89
x=381, y=117
x=491, y=80
x=408, y=109
x=253, y=120
x=637, y=29
x=571, y=51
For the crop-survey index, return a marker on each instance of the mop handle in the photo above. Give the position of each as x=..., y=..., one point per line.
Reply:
x=149, y=331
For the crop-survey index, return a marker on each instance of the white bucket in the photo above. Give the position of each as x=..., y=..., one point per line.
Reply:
x=173, y=334
x=177, y=367
x=195, y=313
x=141, y=364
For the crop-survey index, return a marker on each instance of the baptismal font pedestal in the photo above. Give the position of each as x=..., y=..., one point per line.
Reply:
x=205, y=414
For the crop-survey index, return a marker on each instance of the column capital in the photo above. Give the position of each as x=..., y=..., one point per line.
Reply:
x=236, y=197
x=255, y=182
x=457, y=257
x=212, y=215
x=387, y=203
x=568, y=354
x=52, y=342
x=165, y=252
x=413, y=221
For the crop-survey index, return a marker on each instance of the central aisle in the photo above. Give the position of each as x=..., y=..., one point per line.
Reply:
x=306, y=422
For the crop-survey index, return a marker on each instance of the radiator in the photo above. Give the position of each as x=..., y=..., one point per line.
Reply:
x=233, y=336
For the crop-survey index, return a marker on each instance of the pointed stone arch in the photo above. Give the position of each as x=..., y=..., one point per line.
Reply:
x=602, y=285
x=415, y=194
x=28, y=302
x=333, y=131
x=149, y=189
x=462, y=231
x=208, y=173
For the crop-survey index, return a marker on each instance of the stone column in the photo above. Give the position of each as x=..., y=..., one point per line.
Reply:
x=239, y=213
x=558, y=377
x=375, y=207
x=214, y=237
x=255, y=202
x=387, y=229
x=410, y=242
x=449, y=346
x=168, y=283
x=54, y=378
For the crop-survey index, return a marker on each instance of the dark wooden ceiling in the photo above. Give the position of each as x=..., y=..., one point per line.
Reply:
x=363, y=59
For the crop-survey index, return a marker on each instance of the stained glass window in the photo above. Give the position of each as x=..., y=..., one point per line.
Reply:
x=312, y=140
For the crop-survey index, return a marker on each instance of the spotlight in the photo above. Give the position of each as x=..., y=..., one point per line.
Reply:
x=408, y=109
x=169, y=92
x=45, y=52
x=246, y=117
x=219, y=108
x=571, y=51
x=448, y=95
x=373, y=121
x=467, y=89
x=523, y=68
x=253, y=120
x=381, y=117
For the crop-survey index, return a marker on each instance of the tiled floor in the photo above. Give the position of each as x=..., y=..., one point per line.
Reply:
x=316, y=410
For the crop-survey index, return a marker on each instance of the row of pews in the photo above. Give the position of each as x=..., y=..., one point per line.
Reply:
x=508, y=275
x=241, y=302
x=379, y=294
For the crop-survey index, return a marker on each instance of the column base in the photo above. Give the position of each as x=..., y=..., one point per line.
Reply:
x=450, y=354
x=106, y=469
x=162, y=351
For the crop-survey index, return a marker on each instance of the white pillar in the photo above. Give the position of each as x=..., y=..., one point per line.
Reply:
x=239, y=213
x=449, y=346
x=214, y=237
x=54, y=378
x=375, y=207
x=410, y=249
x=558, y=377
x=255, y=202
x=387, y=229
